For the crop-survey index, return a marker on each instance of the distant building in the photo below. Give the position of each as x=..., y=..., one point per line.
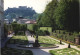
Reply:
x=14, y=20
x=25, y=21
x=30, y=22
x=6, y=21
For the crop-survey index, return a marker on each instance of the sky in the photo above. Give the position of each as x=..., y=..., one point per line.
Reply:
x=38, y=5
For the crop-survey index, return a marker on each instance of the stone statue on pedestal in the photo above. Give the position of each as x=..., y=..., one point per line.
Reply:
x=36, y=44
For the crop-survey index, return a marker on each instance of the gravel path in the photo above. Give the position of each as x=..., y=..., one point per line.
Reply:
x=65, y=44
x=36, y=51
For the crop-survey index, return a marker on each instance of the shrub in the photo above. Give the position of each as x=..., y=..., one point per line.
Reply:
x=32, y=27
x=40, y=32
x=78, y=46
x=47, y=32
x=49, y=29
x=20, y=33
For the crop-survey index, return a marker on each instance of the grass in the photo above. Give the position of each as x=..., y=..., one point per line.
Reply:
x=10, y=51
x=19, y=40
x=46, y=28
x=46, y=39
x=66, y=51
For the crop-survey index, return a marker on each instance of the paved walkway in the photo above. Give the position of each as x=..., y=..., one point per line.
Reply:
x=30, y=39
x=65, y=44
x=36, y=51
x=41, y=51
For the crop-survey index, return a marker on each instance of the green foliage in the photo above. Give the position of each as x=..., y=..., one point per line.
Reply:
x=46, y=39
x=78, y=46
x=67, y=15
x=39, y=22
x=32, y=27
x=46, y=28
x=21, y=39
x=66, y=51
x=47, y=18
x=35, y=27
x=20, y=33
x=12, y=51
x=19, y=27
x=40, y=33
x=35, y=16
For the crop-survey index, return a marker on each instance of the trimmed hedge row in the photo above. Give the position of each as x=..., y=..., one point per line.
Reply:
x=49, y=29
x=33, y=28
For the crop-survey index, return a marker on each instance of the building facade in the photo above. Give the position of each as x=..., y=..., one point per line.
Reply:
x=1, y=20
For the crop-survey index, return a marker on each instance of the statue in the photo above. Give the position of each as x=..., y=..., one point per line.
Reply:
x=36, y=44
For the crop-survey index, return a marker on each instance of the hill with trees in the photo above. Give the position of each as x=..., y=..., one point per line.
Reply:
x=23, y=11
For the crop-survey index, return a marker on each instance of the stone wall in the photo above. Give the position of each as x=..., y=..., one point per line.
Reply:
x=1, y=20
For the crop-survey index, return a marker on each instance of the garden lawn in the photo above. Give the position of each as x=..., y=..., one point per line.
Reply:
x=46, y=28
x=10, y=51
x=19, y=40
x=66, y=51
x=46, y=39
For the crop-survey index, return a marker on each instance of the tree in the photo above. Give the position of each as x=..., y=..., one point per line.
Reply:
x=67, y=15
x=39, y=22
x=15, y=27
x=35, y=27
x=23, y=27
x=47, y=18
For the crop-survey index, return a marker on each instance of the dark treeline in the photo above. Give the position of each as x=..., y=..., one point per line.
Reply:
x=61, y=15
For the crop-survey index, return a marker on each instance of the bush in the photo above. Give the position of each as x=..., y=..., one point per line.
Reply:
x=18, y=27
x=32, y=27
x=78, y=46
x=49, y=29
x=47, y=32
x=41, y=33
x=20, y=33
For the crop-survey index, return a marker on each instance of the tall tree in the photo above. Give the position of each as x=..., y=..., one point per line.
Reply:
x=67, y=15
x=47, y=18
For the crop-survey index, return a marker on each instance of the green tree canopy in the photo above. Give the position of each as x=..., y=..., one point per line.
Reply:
x=67, y=15
x=47, y=18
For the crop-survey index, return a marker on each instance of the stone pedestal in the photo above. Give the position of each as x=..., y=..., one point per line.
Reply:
x=36, y=44
x=77, y=40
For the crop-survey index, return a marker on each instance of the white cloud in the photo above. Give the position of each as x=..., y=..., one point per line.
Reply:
x=38, y=5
